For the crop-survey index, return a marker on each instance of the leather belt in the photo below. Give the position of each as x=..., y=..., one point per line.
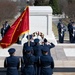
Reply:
x=12, y=67
x=46, y=67
x=29, y=66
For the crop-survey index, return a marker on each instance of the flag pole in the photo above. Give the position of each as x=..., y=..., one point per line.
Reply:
x=28, y=39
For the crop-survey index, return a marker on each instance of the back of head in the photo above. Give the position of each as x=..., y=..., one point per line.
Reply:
x=29, y=37
x=36, y=40
x=45, y=40
x=11, y=50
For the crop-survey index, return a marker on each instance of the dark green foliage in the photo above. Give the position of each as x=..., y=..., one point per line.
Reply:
x=55, y=6
x=52, y=3
x=41, y=2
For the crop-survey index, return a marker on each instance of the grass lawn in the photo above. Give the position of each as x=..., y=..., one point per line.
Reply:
x=54, y=28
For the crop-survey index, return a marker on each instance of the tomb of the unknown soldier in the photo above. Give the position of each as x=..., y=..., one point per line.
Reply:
x=40, y=20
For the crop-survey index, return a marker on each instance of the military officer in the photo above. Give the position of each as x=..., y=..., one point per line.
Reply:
x=70, y=28
x=37, y=49
x=73, y=33
x=12, y=63
x=3, y=31
x=7, y=26
x=28, y=62
x=61, y=31
x=46, y=62
x=49, y=45
x=28, y=43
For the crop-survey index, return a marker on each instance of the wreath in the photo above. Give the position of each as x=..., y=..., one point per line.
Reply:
x=38, y=34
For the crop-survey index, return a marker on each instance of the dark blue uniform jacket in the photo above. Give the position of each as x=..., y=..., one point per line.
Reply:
x=12, y=65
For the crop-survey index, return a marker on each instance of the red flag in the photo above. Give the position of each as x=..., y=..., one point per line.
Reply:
x=20, y=26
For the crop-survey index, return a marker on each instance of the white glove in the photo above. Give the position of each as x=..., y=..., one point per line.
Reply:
x=73, y=35
x=62, y=30
x=61, y=35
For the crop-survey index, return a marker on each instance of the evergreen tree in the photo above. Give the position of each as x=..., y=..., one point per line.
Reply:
x=55, y=6
x=41, y=2
x=53, y=3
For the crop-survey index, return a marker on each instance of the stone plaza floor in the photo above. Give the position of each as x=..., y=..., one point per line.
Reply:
x=61, y=73
x=63, y=55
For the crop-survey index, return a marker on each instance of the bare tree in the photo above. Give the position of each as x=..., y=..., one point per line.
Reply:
x=68, y=7
x=71, y=9
x=63, y=4
x=8, y=9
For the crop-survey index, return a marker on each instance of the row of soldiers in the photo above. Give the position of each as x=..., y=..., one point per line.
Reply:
x=4, y=28
x=36, y=59
x=61, y=31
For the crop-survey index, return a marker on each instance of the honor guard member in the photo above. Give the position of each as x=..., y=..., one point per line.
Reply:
x=28, y=43
x=12, y=63
x=49, y=45
x=73, y=33
x=61, y=30
x=46, y=62
x=28, y=62
x=7, y=26
x=3, y=31
x=70, y=29
x=37, y=49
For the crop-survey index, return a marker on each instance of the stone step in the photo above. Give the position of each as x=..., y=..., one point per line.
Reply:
x=56, y=71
